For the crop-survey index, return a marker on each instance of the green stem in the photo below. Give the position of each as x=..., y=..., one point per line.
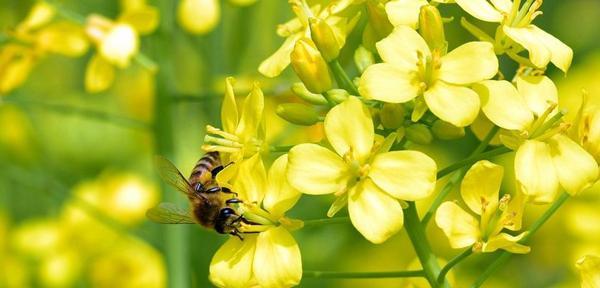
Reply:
x=504, y=255
x=281, y=149
x=453, y=262
x=325, y=221
x=417, y=236
x=335, y=274
x=342, y=78
x=472, y=159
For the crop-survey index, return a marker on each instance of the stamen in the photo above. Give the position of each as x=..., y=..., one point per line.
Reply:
x=222, y=142
x=216, y=131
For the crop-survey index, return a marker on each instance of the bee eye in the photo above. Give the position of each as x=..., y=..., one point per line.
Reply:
x=199, y=187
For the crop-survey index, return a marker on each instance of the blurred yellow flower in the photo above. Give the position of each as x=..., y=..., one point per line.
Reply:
x=60, y=269
x=38, y=238
x=589, y=269
x=271, y=258
x=198, y=16
x=366, y=177
x=479, y=189
x=411, y=69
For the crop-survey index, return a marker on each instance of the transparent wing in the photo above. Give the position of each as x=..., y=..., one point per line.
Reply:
x=171, y=175
x=169, y=213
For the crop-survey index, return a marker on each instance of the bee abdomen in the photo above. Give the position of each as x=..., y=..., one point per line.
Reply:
x=202, y=171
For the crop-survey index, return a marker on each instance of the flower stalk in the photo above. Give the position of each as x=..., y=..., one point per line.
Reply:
x=364, y=275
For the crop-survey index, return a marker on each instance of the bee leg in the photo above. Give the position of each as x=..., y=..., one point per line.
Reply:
x=218, y=169
x=237, y=233
x=228, y=191
x=233, y=201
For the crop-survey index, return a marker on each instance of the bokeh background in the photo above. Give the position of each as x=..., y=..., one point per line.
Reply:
x=76, y=174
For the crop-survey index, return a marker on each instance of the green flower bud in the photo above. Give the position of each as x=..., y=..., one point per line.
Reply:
x=418, y=133
x=392, y=115
x=338, y=95
x=363, y=58
x=431, y=28
x=310, y=66
x=378, y=19
x=296, y=113
x=324, y=38
x=300, y=90
x=446, y=131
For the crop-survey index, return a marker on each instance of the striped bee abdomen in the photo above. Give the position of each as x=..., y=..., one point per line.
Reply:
x=201, y=177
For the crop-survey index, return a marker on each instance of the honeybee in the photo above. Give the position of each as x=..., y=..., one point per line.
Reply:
x=210, y=202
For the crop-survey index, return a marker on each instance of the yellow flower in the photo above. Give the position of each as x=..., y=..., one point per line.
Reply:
x=270, y=258
x=16, y=61
x=587, y=129
x=366, y=177
x=411, y=69
x=516, y=24
x=479, y=189
x=198, y=16
x=406, y=12
x=242, y=136
x=589, y=269
x=544, y=161
x=299, y=27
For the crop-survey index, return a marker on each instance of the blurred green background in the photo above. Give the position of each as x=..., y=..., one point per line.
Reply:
x=76, y=174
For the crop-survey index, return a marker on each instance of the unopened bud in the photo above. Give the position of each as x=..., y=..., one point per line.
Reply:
x=431, y=28
x=198, y=16
x=300, y=90
x=324, y=38
x=392, y=115
x=297, y=113
x=378, y=19
x=338, y=95
x=419, y=134
x=363, y=58
x=446, y=131
x=310, y=66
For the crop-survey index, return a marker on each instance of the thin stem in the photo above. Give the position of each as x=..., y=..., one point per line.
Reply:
x=453, y=262
x=417, y=236
x=325, y=221
x=504, y=255
x=336, y=274
x=472, y=159
x=342, y=78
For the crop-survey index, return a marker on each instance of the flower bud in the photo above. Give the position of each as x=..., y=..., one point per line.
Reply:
x=378, y=19
x=392, y=115
x=324, y=38
x=296, y=113
x=590, y=134
x=363, y=58
x=338, y=95
x=419, y=134
x=310, y=66
x=431, y=28
x=198, y=16
x=300, y=90
x=446, y=131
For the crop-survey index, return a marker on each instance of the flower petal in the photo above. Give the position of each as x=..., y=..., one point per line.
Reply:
x=404, y=12
x=229, y=112
x=495, y=97
x=506, y=242
x=539, y=92
x=231, y=266
x=406, y=175
x=315, y=170
x=252, y=114
x=469, y=63
x=374, y=213
x=535, y=172
x=589, y=269
x=251, y=181
x=454, y=104
x=389, y=83
x=576, y=169
x=353, y=134
x=459, y=226
x=480, y=187
x=503, y=6
x=539, y=54
x=402, y=48
x=480, y=9
x=561, y=54
x=280, y=196
x=277, y=262
x=274, y=65
x=99, y=74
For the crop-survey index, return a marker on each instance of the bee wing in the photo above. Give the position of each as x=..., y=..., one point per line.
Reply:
x=171, y=175
x=169, y=213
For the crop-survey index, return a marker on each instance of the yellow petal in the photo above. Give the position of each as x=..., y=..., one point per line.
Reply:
x=231, y=266
x=274, y=65
x=506, y=242
x=16, y=70
x=143, y=19
x=454, y=104
x=99, y=75
x=120, y=44
x=313, y=169
x=480, y=187
x=251, y=180
x=229, y=112
x=402, y=48
x=41, y=13
x=576, y=169
x=512, y=216
x=496, y=96
x=350, y=134
x=404, y=12
x=480, y=9
x=539, y=92
x=561, y=54
x=198, y=16
x=539, y=54
x=280, y=196
x=251, y=114
x=589, y=132
x=469, y=63
x=406, y=175
x=589, y=270
x=389, y=83
x=535, y=172
x=503, y=5
x=374, y=213
x=63, y=38
x=460, y=227
x=277, y=262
